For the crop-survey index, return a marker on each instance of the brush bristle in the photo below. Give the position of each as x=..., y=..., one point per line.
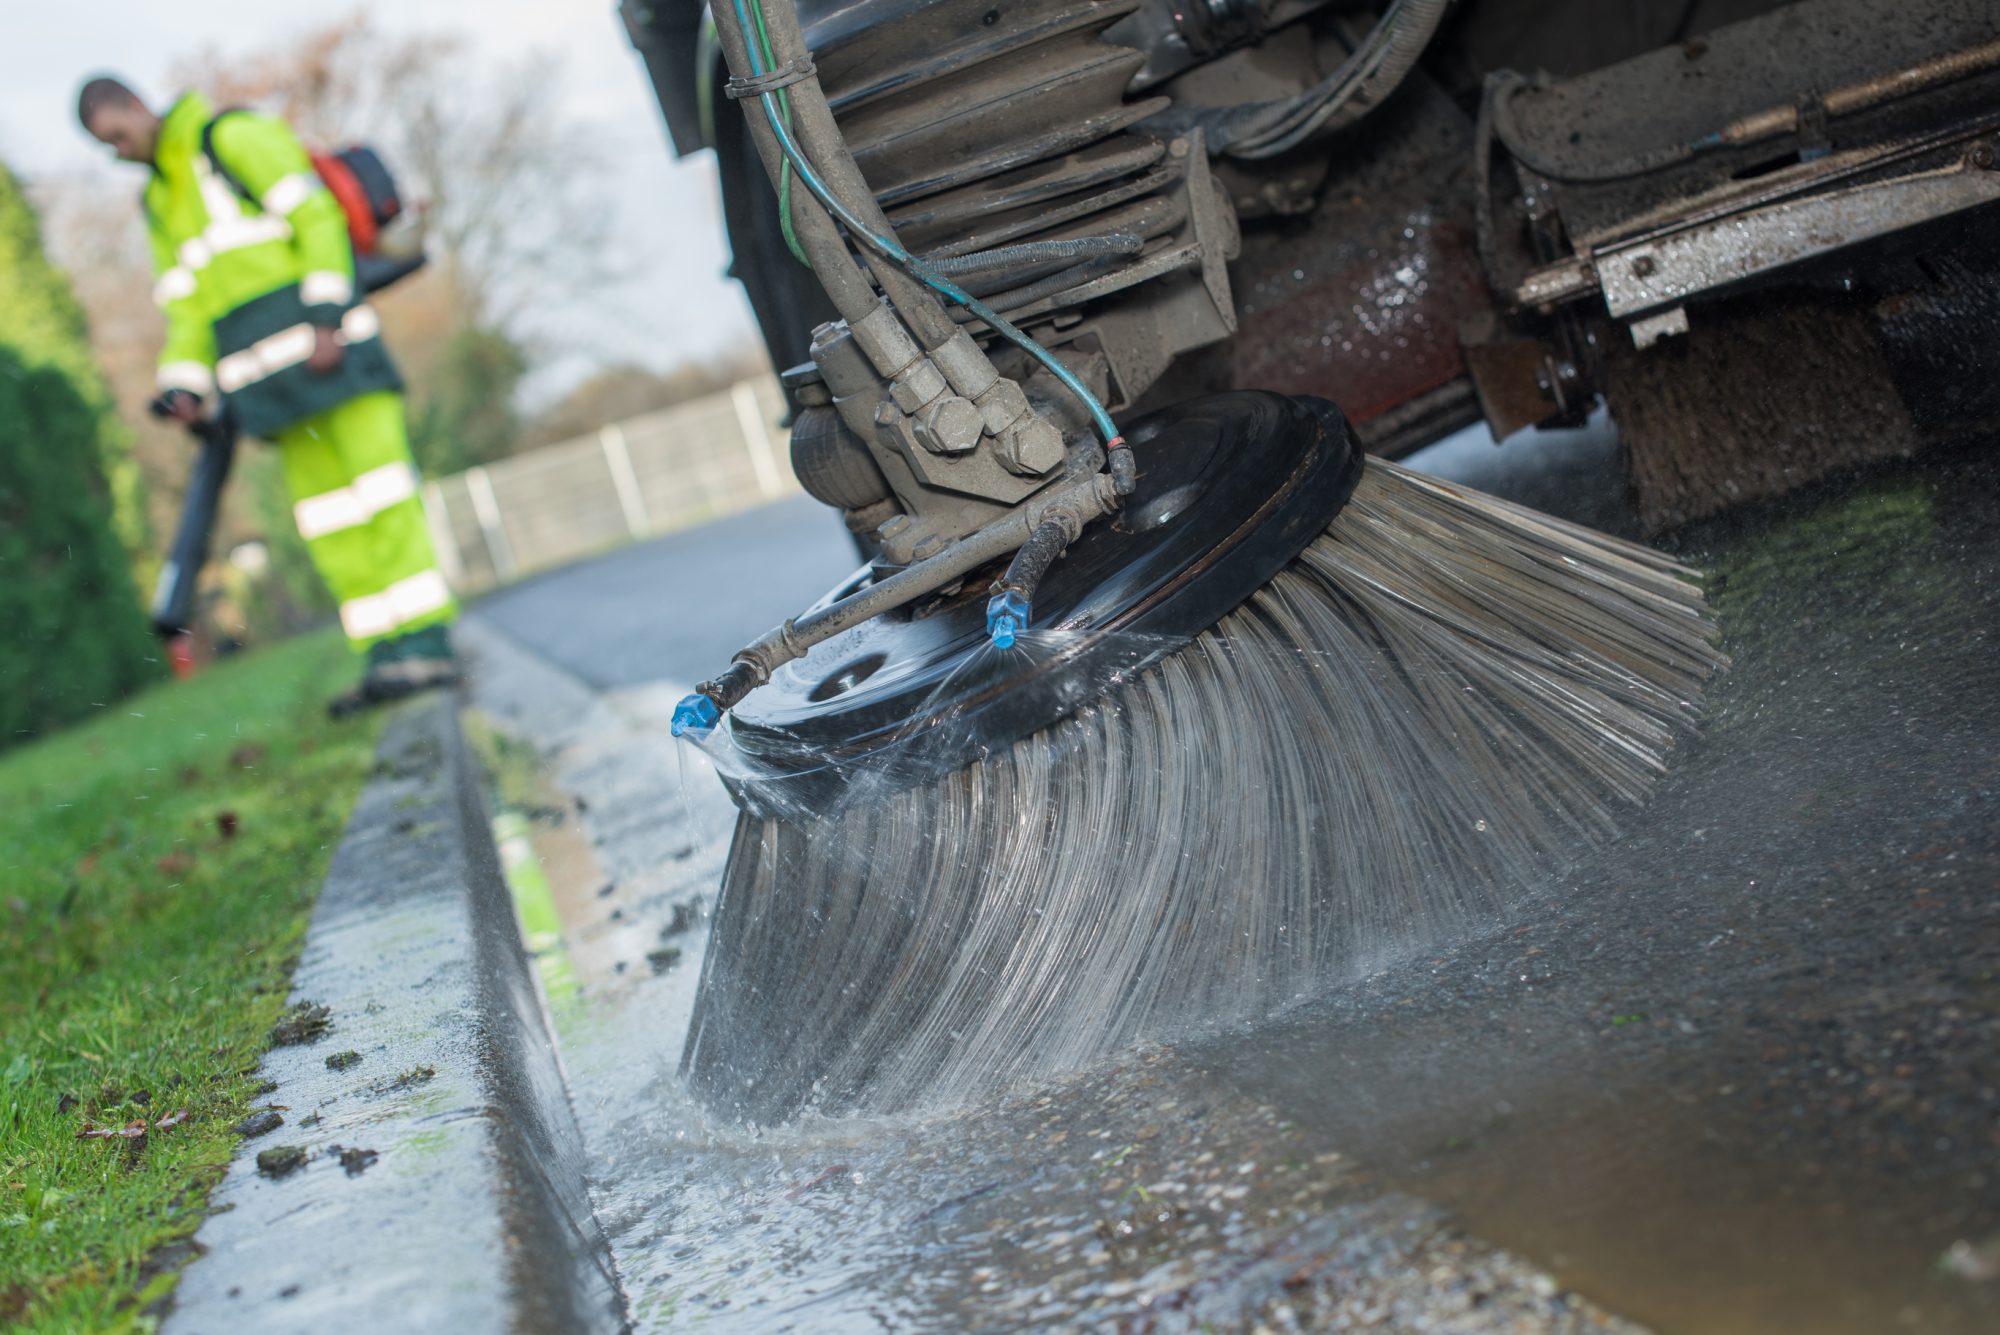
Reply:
x=1758, y=399
x=1441, y=698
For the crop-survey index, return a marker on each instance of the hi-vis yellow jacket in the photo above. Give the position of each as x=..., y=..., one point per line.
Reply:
x=244, y=284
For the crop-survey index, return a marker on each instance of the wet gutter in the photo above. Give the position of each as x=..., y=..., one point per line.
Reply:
x=428, y=1174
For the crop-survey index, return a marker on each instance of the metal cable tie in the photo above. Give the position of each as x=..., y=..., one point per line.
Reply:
x=757, y=85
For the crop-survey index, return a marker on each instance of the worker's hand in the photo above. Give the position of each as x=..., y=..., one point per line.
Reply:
x=326, y=353
x=177, y=405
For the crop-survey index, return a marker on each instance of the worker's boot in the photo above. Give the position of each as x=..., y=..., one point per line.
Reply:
x=404, y=665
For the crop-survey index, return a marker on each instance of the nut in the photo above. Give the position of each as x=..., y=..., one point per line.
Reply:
x=1001, y=405
x=1031, y=447
x=919, y=383
x=948, y=425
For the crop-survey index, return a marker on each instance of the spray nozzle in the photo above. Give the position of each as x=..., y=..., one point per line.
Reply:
x=1006, y=617
x=696, y=716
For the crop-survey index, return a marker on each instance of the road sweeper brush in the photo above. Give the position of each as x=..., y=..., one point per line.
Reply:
x=1120, y=733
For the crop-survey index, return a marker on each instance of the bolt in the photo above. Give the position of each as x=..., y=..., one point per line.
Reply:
x=1178, y=148
x=891, y=526
x=1030, y=447
x=887, y=413
x=1644, y=267
x=950, y=425
x=929, y=547
x=1984, y=158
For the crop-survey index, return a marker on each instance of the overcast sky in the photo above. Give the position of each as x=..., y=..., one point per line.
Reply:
x=669, y=228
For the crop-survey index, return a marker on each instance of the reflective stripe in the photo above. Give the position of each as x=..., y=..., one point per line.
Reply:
x=172, y=285
x=401, y=603
x=357, y=503
x=323, y=287
x=380, y=488
x=287, y=348
x=328, y=512
x=289, y=193
x=360, y=324
x=229, y=227
x=190, y=376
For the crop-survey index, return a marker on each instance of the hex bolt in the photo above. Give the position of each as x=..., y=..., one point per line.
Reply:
x=1984, y=158
x=1030, y=447
x=1644, y=267
x=948, y=425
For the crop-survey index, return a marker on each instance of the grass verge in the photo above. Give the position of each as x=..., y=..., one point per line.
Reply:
x=160, y=862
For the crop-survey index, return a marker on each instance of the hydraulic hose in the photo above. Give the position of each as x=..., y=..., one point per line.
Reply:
x=883, y=241
x=1363, y=82
x=846, y=284
x=1014, y=298
x=824, y=145
x=1031, y=253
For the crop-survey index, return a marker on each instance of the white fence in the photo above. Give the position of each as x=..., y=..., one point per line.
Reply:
x=650, y=474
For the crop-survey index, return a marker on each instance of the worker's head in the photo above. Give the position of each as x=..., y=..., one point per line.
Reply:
x=114, y=115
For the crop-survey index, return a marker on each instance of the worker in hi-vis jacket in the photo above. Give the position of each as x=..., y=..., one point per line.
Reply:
x=262, y=314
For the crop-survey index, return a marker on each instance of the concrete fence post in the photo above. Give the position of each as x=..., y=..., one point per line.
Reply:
x=631, y=500
x=487, y=507
x=757, y=438
x=443, y=539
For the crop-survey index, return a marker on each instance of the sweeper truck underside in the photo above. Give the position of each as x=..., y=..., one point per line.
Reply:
x=1428, y=213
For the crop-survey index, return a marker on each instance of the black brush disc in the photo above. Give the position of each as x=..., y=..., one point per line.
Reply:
x=1231, y=488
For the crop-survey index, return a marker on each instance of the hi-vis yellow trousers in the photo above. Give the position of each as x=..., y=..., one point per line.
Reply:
x=354, y=498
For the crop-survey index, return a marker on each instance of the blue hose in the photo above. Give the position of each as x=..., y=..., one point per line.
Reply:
x=892, y=250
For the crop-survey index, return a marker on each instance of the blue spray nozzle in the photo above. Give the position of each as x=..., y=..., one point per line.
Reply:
x=1006, y=617
x=696, y=716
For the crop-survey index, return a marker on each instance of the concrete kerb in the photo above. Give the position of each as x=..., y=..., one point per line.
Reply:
x=472, y=1214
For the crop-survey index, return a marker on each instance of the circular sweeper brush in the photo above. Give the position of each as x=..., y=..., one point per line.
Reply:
x=1232, y=489
x=1289, y=711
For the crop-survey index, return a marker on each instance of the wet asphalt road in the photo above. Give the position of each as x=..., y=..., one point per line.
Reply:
x=676, y=608
x=1735, y=1072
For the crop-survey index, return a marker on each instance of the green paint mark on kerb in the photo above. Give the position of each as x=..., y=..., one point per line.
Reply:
x=535, y=907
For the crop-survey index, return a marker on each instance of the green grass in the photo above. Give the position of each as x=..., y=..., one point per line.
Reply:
x=146, y=954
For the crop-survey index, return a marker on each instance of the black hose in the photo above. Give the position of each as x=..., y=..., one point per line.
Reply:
x=728, y=690
x=1015, y=298
x=1031, y=253
x=1124, y=467
x=1375, y=69
x=1037, y=554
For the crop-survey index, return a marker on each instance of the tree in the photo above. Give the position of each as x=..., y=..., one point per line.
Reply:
x=76, y=634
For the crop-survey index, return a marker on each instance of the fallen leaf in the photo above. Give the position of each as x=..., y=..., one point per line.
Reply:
x=132, y=1130
x=176, y=863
